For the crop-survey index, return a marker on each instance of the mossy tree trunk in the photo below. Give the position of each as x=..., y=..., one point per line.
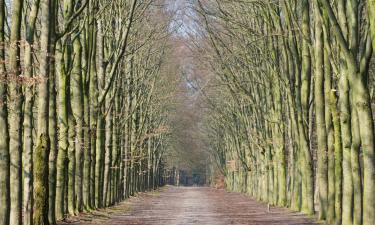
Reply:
x=77, y=104
x=42, y=150
x=322, y=172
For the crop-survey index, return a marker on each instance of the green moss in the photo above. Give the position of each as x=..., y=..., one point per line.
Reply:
x=41, y=181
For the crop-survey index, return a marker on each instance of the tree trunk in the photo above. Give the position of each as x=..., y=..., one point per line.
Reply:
x=307, y=178
x=53, y=134
x=62, y=118
x=78, y=114
x=330, y=132
x=338, y=157
x=28, y=118
x=4, y=132
x=346, y=141
x=322, y=175
x=99, y=161
x=108, y=155
x=356, y=171
x=72, y=176
x=42, y=150
x=15, y=115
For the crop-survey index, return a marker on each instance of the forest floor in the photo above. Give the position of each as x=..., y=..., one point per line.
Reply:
x=191, y=205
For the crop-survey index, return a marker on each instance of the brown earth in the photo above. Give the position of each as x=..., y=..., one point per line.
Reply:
x=191, y=205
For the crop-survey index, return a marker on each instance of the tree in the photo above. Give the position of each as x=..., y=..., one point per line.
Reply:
x=15, y=114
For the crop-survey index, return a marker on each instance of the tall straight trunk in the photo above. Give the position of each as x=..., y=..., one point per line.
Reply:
x=93, y=93
x=356, y=170
x=52, y=118
x=86, y=190
x=78, y=113
x=149, y=163
x=296, y=174
x=306, y=61
x=282, y=189
x=4, y=132
x=125, y=155
x=330, y=132
x=92, y=199
x=344, y=137
x=116, y=147
x=87, y=50
x=63, y=88
x=322, y=173
x=306, y=168
x=132, y=161
x=28, y=118
x=347, y=198
x=15, y=115
x=122, y=184
x=41, y=153
x=71, y=198
x=131, y=127
x=99, y=161
x=53, y=134
x=108, y=154
x=54, y=142
x=100, y=134
x=295, y=196
x=153, y=167
x=353, y=41
x=338, y=152
x=306, y=162
x=345, y=119
x=62, y=118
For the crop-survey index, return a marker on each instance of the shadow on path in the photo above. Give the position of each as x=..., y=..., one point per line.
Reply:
x=191, y=205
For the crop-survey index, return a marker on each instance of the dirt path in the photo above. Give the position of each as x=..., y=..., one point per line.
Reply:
x=189, y=205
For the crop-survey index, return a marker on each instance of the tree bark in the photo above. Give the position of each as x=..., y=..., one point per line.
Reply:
x=4, y=126
x=42, y=150
x=28, y=118
x=78, y=114
x=322, y=173
x=15, y=115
